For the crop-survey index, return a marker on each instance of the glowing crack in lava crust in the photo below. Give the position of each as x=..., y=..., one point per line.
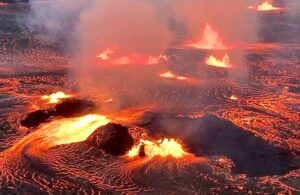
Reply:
x=164, y=148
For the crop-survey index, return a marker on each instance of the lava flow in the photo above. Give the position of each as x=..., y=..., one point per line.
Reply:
x=171, y=75
x=109, y=57
x=162, y=148
x=63, y=131
x=55, y=97
x=209, y=39
x=222, y=63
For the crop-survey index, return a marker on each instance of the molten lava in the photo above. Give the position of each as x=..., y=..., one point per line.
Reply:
x=233, y=97
x=210, y=39
x=167, y=75
x=71, y=130
x=55, y=97
x=171, y=75
x=105, y=55
x=109, y=57
x=62, y=131
x=162, y=148
x=262, y=46
x=222, y=63
x=267, y=6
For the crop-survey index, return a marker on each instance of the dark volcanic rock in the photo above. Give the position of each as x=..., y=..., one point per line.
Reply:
x=35, y=118
x=68, y=108
x=142, y=151
x=216, y=72
x=74, y=107
x=211, y=135
x=113, y=138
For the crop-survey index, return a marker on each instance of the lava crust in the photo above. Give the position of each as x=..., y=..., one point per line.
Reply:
x=113, y=138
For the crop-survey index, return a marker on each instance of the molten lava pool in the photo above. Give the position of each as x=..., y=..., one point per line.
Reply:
x=140, y=97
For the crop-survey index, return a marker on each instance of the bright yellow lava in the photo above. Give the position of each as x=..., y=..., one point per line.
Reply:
x=71, y=130
x=223, y=63
x=266, y=6
x=162, y=148
x=170, y=75
x=55, y=97
x=233, y=97
x=62, y=131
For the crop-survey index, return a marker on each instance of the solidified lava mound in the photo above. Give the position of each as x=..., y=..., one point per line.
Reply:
x=35, y=118
x=113, y=138
x=211, y=135
x=74, y=107
x=68, y=108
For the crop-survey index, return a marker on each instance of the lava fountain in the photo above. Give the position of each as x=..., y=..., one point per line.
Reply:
x=209, y=39
x=222, y=63
x=162, y=148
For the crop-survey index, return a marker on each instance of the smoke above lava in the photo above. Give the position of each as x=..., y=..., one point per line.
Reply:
x=119, y=47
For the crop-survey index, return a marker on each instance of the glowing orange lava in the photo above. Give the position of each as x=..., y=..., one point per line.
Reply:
x=162, y=148
x=105, y=55
x=233, y=97
x=62, y=131
x=167, y=75
x=265, y=6
x=223, y=63
x=109, y=57
x=171, y=75
x=210, y=39
x=71, y=130
x=55, y=97
x=263, y=46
